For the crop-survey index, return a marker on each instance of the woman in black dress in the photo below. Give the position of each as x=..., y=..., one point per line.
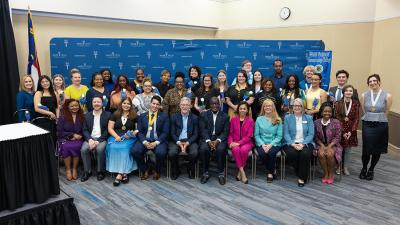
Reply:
x=45, y=103
x=241, y=91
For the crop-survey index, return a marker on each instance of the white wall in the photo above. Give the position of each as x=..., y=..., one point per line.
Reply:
x=185, y=12
x=265, y=13
x=222, y=14
x=386, y=9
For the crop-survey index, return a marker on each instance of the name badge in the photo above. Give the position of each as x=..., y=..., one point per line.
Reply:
x=305, y=121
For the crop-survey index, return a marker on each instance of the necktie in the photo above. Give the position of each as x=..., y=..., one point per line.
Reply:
x=152, y=130
x=340, y=94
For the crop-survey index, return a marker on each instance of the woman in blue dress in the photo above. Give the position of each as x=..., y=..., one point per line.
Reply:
x=25, y=99
x=118, y=157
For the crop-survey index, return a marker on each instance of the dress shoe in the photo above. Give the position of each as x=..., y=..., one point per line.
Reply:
x=191, y=173
x=325, y=181
x=145, y=175
x=270, y=179
x=370, y=175
x=156, y=176
x=125, y=179
x=100, y=176
x=174, y=176
x=221, y=179
x=86, y=176
x=330, y=181
x=299, y=183
x=363, y=174
x=204, y=178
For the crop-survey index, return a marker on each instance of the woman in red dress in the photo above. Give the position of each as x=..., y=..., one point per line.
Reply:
x=347, y=112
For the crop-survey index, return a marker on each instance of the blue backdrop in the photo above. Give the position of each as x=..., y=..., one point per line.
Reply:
x=123, y=56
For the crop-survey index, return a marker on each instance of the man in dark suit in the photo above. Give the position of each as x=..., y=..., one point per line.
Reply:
x=336, y=92
x=184, y=133
x=214, y=130
x=153, y=133
x=95, y=133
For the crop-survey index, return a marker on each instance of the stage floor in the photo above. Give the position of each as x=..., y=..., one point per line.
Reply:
x=185, y=201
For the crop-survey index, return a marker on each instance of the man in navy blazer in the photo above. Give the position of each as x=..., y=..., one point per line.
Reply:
x=184, y=133
x=214, y=131
x=153, y=130
x=95, y=133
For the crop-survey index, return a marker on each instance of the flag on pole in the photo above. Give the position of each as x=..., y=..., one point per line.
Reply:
x=33, y=61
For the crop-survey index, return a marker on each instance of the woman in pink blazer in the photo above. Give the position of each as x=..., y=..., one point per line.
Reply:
x=240, y=138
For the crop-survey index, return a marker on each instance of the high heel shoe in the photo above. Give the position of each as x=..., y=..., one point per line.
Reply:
x=125, y=179
x=238, y=177
x=68, y=173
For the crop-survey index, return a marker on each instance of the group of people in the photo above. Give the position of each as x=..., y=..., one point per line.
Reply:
x=136, y=125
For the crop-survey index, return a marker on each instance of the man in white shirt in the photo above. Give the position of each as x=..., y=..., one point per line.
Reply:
x=95, y=134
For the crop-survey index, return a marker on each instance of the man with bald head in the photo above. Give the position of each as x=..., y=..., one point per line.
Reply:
x=214, y=130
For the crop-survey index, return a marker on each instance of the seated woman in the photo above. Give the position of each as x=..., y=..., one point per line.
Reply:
x=118, y=151
x=204, y=94
x=45, y=102
x=348, y=113
x=141, y=102
x=69, y=132
x=25, y=99
x=327, y=136
x=268, y=136
x=315, y=96
x=240, y=138
x=121, y=91
x=97, y=90
x=298, y=133
x=241, y=91
x=268, y=92
x=290, y=92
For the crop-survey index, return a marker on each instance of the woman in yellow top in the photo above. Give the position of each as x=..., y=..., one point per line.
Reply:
x=315, y=96
x=76, y=90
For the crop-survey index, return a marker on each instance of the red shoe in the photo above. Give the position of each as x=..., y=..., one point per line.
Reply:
x=329, y=181
x=325, y=181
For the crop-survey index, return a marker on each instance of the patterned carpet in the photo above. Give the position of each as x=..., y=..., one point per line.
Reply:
x=186, y=201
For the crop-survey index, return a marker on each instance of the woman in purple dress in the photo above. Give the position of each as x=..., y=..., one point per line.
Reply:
x=69, y=131
x=327, y=137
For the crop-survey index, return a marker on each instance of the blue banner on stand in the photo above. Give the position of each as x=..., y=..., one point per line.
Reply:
x=123, y=56
x=322, y=61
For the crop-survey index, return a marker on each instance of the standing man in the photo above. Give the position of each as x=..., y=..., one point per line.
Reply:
x=95, y=133
x=214, y=130
x=153, y=133
x=336, y=92
x=279, y=78
x=184, y=133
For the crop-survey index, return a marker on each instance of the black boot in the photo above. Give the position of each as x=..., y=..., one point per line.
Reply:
x=363, y=174
x=370, y=175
